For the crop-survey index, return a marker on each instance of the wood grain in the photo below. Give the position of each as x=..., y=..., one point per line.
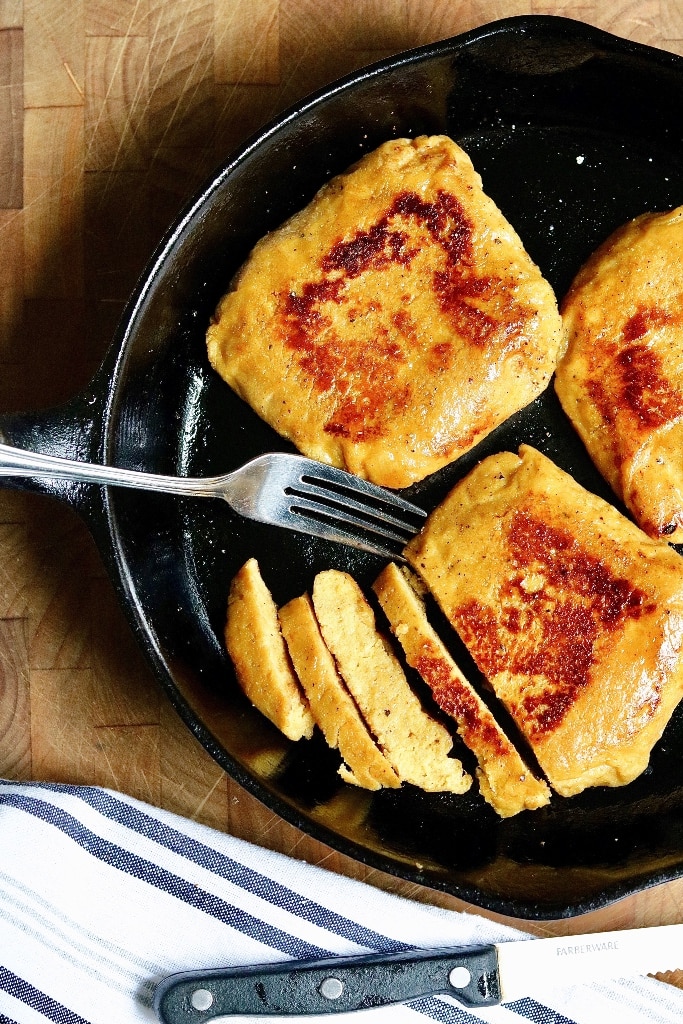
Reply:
x=11, y=117
x=112, y=112
x=15, y=710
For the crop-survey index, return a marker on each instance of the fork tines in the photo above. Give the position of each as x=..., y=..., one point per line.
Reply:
x=332, y=495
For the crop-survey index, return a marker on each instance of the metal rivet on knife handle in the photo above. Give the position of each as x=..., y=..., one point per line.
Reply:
x=460, y=977
x=331, y=988
x=201, y=999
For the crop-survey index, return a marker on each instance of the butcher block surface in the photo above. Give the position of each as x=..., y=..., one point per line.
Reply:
x=112, y=113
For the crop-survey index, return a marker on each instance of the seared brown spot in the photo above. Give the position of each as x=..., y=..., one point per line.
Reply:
x=445, y=219
x=547, y=631
x=634, y=380
x=455, y=292
x=440, y=357
x=329, y=360
x=640, y=323
x=458, y=702
x=601, y=398
x=405, y=325
x=645, y=389
x=369, y=250
x=565, y=565
x=362, y=368
x=304, y=322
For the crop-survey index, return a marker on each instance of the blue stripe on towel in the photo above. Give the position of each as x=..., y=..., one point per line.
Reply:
x=220, y=864
x=123, y=860
x=443, y=1012
x=37, y=1000
x=537, y=1012
x=446, y=1013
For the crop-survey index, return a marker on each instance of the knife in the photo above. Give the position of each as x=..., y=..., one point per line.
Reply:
x=475, y=976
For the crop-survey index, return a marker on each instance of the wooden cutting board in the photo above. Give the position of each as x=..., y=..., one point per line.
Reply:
x=112, y=112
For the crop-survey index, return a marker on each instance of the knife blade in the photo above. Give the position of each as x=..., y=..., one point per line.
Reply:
x=475, y=976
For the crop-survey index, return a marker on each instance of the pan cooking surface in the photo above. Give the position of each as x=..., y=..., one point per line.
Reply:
x=573, y=132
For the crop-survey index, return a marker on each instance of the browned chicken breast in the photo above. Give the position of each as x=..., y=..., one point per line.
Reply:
x=394, y=322
x=621, y=381
x=570, y=611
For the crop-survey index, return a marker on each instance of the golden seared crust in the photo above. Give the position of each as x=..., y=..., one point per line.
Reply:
x=621, y=381
x=332, y=706
x=504, y=779
x=573, y=614
x=255, y=644
x=394, y=322
x=415, y=743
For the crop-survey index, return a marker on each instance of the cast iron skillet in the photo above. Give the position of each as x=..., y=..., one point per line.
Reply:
x=574, y=131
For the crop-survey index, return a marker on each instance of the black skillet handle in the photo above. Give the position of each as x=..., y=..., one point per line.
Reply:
x=330, y=986
x=72, y=431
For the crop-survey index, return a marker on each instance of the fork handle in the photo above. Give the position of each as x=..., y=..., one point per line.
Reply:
x=18, y=462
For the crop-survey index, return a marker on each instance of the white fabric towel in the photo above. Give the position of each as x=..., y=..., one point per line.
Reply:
x=102, y=896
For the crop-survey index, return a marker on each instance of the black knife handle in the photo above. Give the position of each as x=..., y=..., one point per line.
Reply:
x=330, y=986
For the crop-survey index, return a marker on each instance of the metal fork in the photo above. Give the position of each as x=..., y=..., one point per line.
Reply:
x=279, y=489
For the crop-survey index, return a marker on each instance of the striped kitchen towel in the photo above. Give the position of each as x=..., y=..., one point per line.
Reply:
x=102, y=896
